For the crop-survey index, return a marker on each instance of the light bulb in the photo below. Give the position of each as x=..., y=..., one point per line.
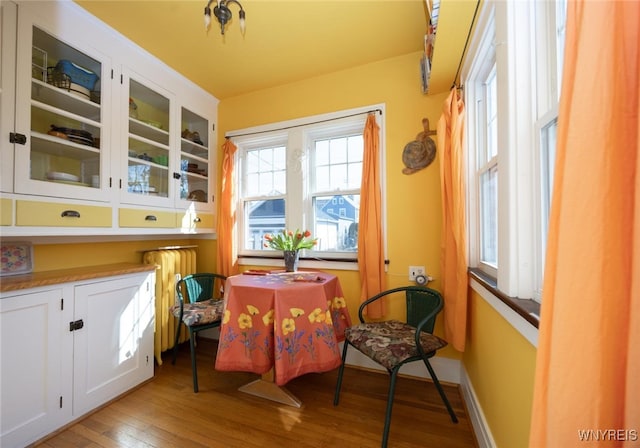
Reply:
x=242, y=22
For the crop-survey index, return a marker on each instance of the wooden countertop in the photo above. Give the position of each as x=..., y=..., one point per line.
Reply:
x=45, y=278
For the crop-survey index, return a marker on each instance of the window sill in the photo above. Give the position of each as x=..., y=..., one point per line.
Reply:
x=522, y=314
x=305, y=263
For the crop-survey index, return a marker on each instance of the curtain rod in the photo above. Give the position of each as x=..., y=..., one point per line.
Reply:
x=464, y=50
x=305, y=124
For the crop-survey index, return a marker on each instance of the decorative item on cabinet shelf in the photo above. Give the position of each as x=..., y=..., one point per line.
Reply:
x=192, y=136
x=197, y=195
x=133, y=108
x=75, y=79
x=75, y=135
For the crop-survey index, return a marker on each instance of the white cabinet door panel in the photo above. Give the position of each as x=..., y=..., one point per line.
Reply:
x=109, y=356
x=32, y=341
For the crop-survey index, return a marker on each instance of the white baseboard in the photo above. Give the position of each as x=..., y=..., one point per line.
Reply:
x=448, y=370
x=476, y=416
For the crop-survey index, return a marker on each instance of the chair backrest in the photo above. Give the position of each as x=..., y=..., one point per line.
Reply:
x=421, y=302
x=201, y=287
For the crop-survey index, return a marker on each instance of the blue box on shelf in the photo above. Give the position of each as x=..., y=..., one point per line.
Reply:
x=79, y=75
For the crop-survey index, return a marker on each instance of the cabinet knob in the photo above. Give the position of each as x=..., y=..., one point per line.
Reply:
x=150, y=218
x=70, y=214
x=197, y=219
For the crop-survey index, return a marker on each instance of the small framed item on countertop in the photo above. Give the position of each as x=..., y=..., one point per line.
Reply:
x=16, y=258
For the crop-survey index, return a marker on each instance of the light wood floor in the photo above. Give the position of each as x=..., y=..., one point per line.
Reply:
x=166, y=413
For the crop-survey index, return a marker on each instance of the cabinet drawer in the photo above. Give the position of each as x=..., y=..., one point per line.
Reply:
x=195, y=220
x=6, y=212
x=146, y=218
x=35, y=213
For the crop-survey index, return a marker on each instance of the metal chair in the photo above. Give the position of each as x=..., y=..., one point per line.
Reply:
x=393, y=343
x=202, y=310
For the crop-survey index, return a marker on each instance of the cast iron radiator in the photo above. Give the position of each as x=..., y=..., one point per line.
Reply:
x=171, y=265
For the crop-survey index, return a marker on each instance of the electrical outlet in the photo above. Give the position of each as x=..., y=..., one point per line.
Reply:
x=415, y=271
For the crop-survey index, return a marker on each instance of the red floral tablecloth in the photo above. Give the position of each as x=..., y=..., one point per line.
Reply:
x=289, y=321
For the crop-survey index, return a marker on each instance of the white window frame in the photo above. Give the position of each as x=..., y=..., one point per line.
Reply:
x=522, y=35
x=298, y=136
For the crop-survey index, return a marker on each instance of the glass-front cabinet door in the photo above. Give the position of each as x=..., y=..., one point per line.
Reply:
x=8, y=14
x=60, y=109
x=149, y=178
x=194, y=160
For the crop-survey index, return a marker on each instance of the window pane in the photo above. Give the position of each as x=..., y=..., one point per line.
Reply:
x=336, y=222
x=262, y=217
x=338, y=163
x=266, y=171
x=492, y=117
x=548, y=155
x=489, y=216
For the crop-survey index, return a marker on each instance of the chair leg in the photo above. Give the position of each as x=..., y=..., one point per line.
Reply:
x=175, y=344
x=454, y=418
x=336, y=397
x=393, y=376
x=194, y=370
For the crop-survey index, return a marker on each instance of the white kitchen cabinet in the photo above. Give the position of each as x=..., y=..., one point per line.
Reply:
x=63, y=96
x=149, y=139
x=32, y=363
x=8, y=22
x=117, y=142
x=115, y=345
x=70, y=348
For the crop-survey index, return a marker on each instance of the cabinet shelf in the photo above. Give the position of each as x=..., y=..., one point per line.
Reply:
x=142, y=129
x=55, y=146
x=62, y=99
x=136, y=161
x=195, y=149
x=194, y=175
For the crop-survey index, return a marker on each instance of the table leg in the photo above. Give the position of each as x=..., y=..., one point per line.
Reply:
x=265, y=387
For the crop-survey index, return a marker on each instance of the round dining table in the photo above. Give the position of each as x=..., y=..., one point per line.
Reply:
x=281, y=325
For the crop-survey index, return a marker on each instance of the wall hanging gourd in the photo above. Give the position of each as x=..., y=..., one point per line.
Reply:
x=419, y=153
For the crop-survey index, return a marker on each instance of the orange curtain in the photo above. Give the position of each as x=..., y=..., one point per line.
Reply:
x=587, y=381
x=370, y=244
x=453, y=258
x=227, y=260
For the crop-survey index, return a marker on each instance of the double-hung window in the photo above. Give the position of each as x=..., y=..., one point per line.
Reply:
x=512, y=81
x=301, y=175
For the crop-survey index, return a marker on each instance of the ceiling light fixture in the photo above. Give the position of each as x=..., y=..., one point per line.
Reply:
x=223, y=14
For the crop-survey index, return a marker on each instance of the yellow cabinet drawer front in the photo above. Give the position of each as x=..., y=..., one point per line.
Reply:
x=129, y=217
x=194, y=220
x=6, y=212
x=45, y=214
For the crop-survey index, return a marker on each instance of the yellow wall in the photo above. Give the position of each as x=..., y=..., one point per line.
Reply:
x=500, y=364
x=64, y=256
x=413, y=201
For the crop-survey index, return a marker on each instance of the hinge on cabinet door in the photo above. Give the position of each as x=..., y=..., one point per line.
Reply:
x=20, y=139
